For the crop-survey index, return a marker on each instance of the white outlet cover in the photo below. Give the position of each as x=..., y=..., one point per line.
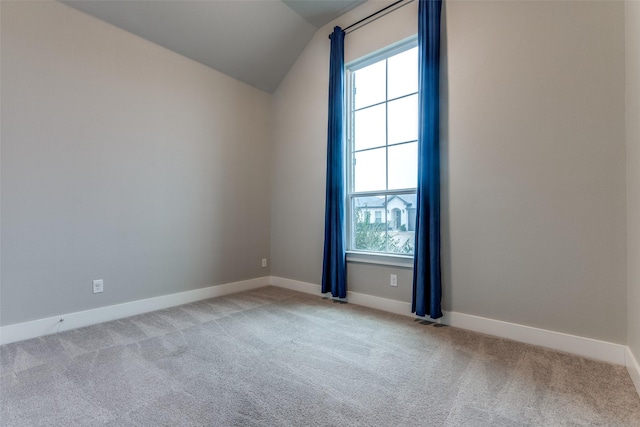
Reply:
x=98, y=286
x=394, y=280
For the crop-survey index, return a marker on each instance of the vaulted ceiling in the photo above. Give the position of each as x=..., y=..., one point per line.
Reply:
x=254, y=41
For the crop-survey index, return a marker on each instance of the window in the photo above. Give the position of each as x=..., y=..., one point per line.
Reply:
x=382, y=150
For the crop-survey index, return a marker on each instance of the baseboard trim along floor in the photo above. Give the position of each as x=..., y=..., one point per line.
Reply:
x=581, y=346
x=634, y=369
x=51, y=325
x=586, y=347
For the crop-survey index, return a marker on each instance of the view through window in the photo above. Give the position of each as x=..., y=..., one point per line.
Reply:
x=382, y=153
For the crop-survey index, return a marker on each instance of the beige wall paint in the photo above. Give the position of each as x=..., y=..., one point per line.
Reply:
x=122, y=161
x=534, y=155
x=632, y=28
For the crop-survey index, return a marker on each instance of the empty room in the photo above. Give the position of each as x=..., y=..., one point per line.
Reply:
x=319, y=213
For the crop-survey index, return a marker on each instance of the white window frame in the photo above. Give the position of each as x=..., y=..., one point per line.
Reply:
x=359, y=255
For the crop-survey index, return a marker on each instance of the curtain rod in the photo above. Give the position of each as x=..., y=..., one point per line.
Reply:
x=372, y=15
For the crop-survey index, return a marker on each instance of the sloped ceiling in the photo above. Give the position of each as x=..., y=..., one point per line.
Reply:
x=321, y=12
x=254, y=41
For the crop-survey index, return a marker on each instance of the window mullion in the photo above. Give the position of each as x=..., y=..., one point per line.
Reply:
x=386, y=140
x=351, y=220
x=383, y=102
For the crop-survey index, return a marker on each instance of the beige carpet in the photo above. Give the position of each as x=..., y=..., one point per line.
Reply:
x=272, y=357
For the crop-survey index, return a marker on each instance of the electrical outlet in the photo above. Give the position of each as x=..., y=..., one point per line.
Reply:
x=98, y=286
x=264, y=262
x=394, y=280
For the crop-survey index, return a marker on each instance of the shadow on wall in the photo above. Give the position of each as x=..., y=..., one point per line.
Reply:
x=445, y=251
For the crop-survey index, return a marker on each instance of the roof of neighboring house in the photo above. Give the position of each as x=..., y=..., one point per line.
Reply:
x=409, y=200
x=369, y=202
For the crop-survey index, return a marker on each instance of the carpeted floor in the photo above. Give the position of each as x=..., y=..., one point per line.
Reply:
x=273, y=357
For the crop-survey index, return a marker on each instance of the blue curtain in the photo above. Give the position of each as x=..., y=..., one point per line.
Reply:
x=427, y=289
x=333, y=266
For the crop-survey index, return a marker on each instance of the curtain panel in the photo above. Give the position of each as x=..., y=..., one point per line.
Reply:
x=334, y=263
x=427, y=288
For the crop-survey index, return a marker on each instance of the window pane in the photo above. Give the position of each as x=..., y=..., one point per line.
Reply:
x=369, y=170
x=369, y=82
x=368, y=233
x=403, y=73
x=383, y=153
x=402, y=223
x=403, y=120
x=370, y=127
x=401, y=242
x=403, y=166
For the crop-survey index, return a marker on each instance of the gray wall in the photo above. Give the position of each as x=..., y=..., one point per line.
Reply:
x=122, y=161
x=632, y=25
x=299, y=156
x=126, y=162
x=534, y=178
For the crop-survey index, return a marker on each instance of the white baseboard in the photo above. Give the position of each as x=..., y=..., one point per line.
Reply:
x=581, y=346
x=295, y=285
x=634, y=369
x=586, y=347
x=50, y=325
x=384, y=304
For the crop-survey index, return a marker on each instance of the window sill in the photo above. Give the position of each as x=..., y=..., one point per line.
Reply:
x=402, y=261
